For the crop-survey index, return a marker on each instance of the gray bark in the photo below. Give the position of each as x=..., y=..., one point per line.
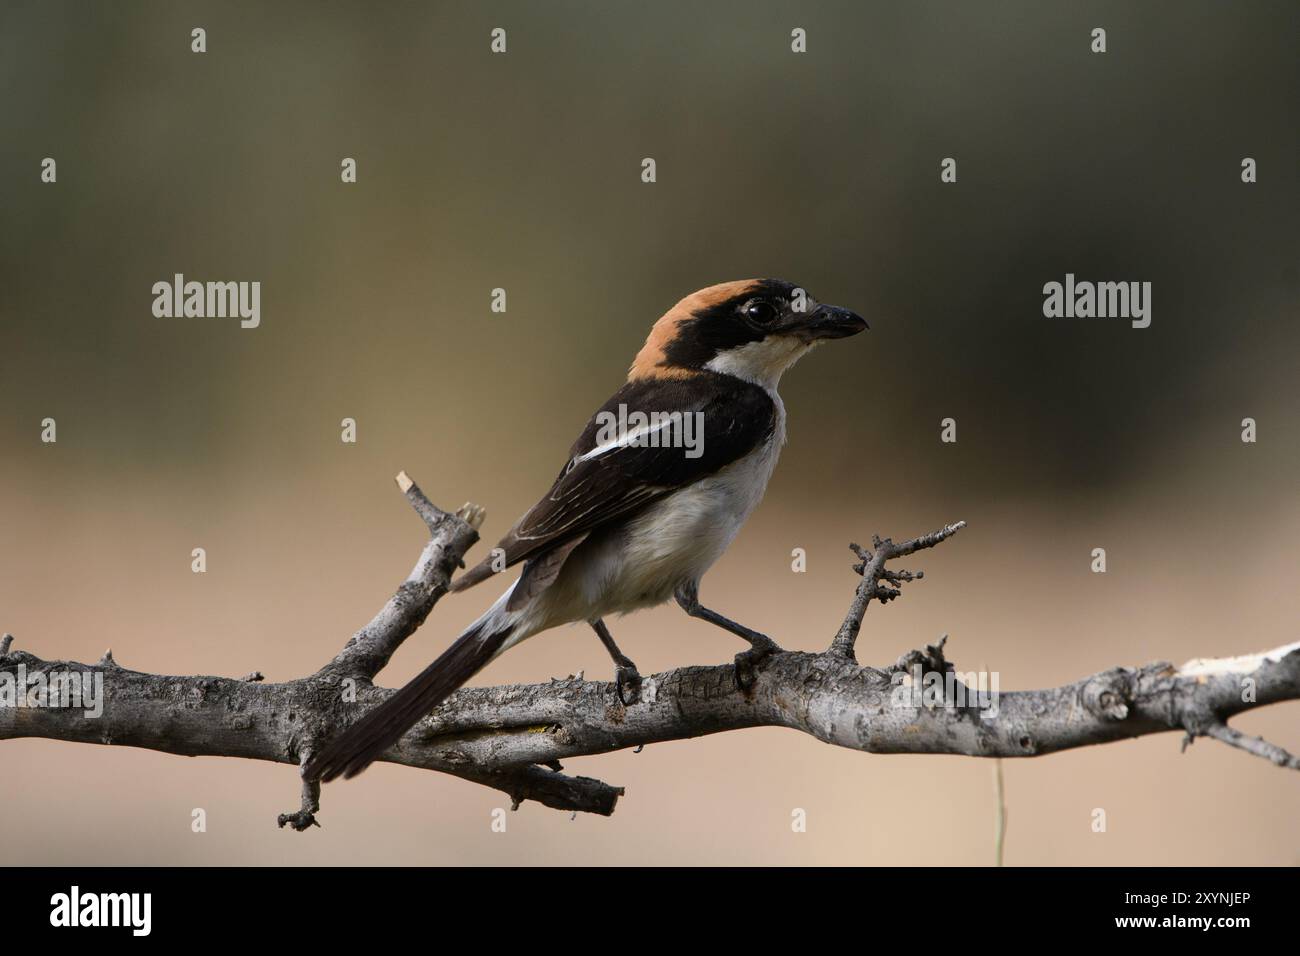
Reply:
x=512, y=738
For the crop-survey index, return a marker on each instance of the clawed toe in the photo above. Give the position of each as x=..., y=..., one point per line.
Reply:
x=627, y=684
x=747, y=661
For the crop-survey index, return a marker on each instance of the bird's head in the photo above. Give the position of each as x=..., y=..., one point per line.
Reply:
x=753, y=329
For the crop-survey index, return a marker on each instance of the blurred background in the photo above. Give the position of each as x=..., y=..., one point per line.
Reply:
x=522, y=171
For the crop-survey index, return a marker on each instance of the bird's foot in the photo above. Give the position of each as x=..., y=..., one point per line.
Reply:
x=627, y=683
x=761, y=648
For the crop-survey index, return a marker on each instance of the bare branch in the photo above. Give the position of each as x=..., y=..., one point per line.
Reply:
x=368, y=651
x=305, y=816
x=1253, y=745
x=873, y=571
x=512, y=738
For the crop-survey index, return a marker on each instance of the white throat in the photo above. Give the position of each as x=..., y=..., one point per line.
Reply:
x=763, y=362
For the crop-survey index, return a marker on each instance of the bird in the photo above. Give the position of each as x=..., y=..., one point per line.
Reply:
x=641, y=508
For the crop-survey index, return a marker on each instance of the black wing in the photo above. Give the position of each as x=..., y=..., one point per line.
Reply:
x=600, y=484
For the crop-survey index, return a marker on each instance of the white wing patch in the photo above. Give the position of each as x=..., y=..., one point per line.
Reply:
x=623, y=441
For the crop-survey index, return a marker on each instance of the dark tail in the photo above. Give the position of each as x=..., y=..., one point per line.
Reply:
x=365, y=741
x=475, y=575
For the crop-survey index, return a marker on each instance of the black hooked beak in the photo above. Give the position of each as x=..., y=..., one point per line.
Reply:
x=832, y=322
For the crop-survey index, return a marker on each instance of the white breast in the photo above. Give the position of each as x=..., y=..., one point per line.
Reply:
x=673, y=542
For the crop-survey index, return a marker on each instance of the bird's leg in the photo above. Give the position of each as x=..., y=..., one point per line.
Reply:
x=760, y=645
x=625, y=672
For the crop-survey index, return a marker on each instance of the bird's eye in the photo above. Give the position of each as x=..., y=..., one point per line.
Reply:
x=760, y=312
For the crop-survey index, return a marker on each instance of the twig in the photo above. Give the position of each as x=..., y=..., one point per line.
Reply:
x=369, y=650
x=872, y=569
x=1252, y=745
x=305, y=816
